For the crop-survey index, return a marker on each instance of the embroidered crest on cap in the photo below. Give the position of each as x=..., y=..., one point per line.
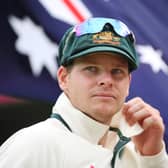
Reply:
x=106, y=38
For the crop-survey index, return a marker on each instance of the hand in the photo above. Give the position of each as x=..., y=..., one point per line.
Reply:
x=150, y=141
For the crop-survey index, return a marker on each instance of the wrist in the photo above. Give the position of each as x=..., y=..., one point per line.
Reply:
x=154, y=150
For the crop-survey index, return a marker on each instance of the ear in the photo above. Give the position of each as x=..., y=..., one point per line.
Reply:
x=62, y=75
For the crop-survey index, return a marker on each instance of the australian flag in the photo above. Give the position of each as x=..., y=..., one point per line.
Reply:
x=30, y=31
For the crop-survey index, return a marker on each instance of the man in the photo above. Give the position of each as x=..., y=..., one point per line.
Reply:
x=92, y=125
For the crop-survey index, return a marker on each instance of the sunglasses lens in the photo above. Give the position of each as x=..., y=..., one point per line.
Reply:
x=96, y=25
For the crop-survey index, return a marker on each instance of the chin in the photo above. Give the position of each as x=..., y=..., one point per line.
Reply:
x=105, y=111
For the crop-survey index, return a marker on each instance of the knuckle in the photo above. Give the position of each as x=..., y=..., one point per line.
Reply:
x=139, y=99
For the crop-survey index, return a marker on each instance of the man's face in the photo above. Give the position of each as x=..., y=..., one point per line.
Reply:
x=97, y=84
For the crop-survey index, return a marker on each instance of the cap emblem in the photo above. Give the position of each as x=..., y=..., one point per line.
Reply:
x=106, y=38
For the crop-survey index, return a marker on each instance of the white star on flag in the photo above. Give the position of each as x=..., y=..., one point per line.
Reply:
x=152, y=57
x=33, y=42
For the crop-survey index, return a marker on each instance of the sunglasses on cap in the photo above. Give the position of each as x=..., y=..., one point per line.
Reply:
x=95, y=25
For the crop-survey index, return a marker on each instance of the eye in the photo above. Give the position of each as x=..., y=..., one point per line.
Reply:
x=118, y=72
x=92, y=69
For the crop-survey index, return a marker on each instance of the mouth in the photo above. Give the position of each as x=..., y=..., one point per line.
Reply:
x=103, y=95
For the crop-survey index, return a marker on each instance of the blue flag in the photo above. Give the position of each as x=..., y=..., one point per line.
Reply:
x=31, y=30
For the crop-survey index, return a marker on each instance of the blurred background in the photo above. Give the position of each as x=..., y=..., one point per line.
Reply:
x=30, y=31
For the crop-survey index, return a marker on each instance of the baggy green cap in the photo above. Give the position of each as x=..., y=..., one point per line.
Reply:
x=74, y=45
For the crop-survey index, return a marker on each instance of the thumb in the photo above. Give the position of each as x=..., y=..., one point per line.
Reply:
x=124, y=108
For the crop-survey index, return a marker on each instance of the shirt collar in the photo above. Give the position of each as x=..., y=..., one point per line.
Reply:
x=79, y=123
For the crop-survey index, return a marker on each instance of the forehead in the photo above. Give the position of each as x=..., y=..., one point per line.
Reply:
x=103, y=57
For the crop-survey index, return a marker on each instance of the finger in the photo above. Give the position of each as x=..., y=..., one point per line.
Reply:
x=147, y=122
x=130, y=108
x=125, y=108
x=126, y=113
x=138, y=116
x=154, y=122
x=133, y=105
x=135, y=101
x=131, y=113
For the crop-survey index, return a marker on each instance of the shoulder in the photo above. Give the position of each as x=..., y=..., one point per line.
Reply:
x=32, y=146
x=39, y=135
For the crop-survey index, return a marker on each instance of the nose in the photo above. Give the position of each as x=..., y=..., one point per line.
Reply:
x=106, y=80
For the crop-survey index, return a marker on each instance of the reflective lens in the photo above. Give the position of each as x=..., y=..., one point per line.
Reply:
x=95, y=25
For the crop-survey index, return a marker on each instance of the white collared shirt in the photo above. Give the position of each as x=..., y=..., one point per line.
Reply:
x=49, y=144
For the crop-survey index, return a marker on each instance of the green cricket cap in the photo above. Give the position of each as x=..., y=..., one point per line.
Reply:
x=98, y=35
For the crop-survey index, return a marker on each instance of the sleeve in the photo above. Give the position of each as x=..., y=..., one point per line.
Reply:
x=157, y=161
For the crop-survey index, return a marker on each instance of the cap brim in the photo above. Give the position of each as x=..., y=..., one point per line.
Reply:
x=105, y=49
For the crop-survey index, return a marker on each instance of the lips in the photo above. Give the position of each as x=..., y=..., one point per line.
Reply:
x=104, y=95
